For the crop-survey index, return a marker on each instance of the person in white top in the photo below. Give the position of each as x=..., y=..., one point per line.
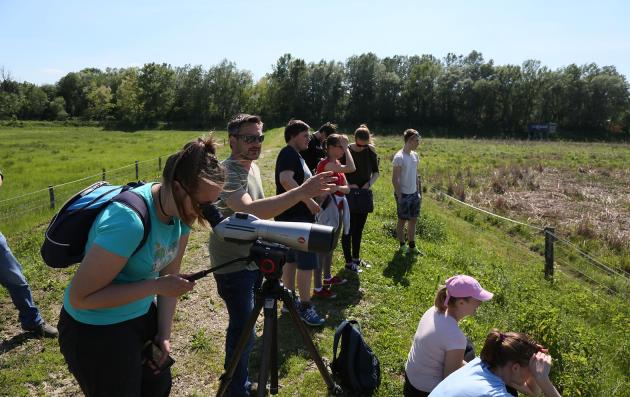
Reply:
x=407, y=190
x=438, y=345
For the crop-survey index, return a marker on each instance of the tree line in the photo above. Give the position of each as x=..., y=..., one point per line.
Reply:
x=455, y=93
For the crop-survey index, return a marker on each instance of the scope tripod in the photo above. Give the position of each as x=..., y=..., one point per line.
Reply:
x=267, y=297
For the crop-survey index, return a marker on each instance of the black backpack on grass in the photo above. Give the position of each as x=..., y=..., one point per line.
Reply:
x=67, y=233
x=357, y=367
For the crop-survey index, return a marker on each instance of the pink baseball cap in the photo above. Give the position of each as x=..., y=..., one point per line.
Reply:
x=462, y=286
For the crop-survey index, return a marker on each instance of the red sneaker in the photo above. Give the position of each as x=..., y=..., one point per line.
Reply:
x=335, y=280
x=324, y=293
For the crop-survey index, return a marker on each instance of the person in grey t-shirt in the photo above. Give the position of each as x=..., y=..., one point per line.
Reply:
x=243, y=192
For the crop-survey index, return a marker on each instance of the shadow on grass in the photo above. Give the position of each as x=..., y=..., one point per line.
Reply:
x=399, y=267
x=10, y=344
x=290, y=342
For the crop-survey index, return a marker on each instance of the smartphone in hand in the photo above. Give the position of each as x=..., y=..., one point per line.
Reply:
x=151, y=354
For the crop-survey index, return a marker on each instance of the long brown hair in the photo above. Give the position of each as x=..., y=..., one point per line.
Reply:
x=503, y=347
x=195, y=161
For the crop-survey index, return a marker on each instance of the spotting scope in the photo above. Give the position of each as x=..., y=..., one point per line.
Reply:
x=246, y=228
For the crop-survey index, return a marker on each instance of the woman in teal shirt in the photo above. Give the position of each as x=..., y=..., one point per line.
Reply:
x=110, y=310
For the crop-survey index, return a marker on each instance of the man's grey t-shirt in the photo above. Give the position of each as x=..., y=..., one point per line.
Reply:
x=238, y=180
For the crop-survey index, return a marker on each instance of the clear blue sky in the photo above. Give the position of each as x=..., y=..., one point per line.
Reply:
x=40, y=41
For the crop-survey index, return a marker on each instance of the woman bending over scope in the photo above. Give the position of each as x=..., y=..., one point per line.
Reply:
x=113, y=332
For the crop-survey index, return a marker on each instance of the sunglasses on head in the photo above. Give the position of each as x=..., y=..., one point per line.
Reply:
x=250, y=138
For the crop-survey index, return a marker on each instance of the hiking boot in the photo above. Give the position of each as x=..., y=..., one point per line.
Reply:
x=353, y=267
x=43, y=329
x=324, y=293
x=310, y=316
x=361, y=262
x=335, y=280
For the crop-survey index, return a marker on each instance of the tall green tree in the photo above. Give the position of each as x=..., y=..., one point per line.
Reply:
x=157, y=92
x=34, y=102
x=229, y=88
x=362, y=77
x=129, y=105
x=289, y=85
x=99, y=99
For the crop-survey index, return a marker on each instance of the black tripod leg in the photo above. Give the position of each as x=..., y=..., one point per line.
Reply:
x=273, y=384
x=267, y=347
x=333, y=388
x=226, y=378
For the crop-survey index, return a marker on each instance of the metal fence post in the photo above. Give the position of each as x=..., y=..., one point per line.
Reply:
x=51, y=193
x=103, y=174
x=549, y=239
x=137, y=170
x=160, y=163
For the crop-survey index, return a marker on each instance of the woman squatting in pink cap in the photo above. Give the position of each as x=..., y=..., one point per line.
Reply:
x=439, y=345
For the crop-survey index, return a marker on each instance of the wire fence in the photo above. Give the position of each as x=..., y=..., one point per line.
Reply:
x=584, y=265
x=14, y=210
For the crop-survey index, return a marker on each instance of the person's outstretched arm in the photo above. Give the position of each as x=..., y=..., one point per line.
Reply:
x=272, y=206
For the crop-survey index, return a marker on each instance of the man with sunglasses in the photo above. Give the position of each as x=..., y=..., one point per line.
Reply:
x=243, y=192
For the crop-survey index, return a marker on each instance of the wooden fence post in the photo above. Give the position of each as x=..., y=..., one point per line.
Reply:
x=137, y=170
x=51, y=193
x=549, y=239
x=103, y=174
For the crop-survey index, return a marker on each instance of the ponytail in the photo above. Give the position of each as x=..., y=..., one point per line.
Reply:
x=501, y=348
x=440, y=298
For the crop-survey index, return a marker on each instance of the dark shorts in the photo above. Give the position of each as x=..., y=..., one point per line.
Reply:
x=304, y=260
x=408, y=206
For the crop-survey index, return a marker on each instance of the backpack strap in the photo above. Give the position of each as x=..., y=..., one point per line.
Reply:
x=327, y=201
x=338, y=333
x=139, y=206
x=353, y=348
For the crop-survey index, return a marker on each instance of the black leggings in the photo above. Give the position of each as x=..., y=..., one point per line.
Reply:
x=106, y=360
x=410, y=391
x=357, y=223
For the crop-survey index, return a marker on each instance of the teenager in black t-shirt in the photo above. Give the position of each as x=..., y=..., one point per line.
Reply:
x=292, y=171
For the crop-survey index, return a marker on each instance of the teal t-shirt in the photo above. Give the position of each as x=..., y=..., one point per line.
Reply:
x=472, y=380
x=118, y=229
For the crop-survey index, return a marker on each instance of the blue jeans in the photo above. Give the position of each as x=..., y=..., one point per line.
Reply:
x=12, y=279
x=237, y=290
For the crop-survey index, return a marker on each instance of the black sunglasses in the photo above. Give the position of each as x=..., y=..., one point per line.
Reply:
x=250, y=138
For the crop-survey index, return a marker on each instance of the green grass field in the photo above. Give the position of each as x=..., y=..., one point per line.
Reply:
x=584, y=325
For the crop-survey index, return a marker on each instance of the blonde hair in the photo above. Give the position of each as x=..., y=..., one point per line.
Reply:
x=363, y=133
